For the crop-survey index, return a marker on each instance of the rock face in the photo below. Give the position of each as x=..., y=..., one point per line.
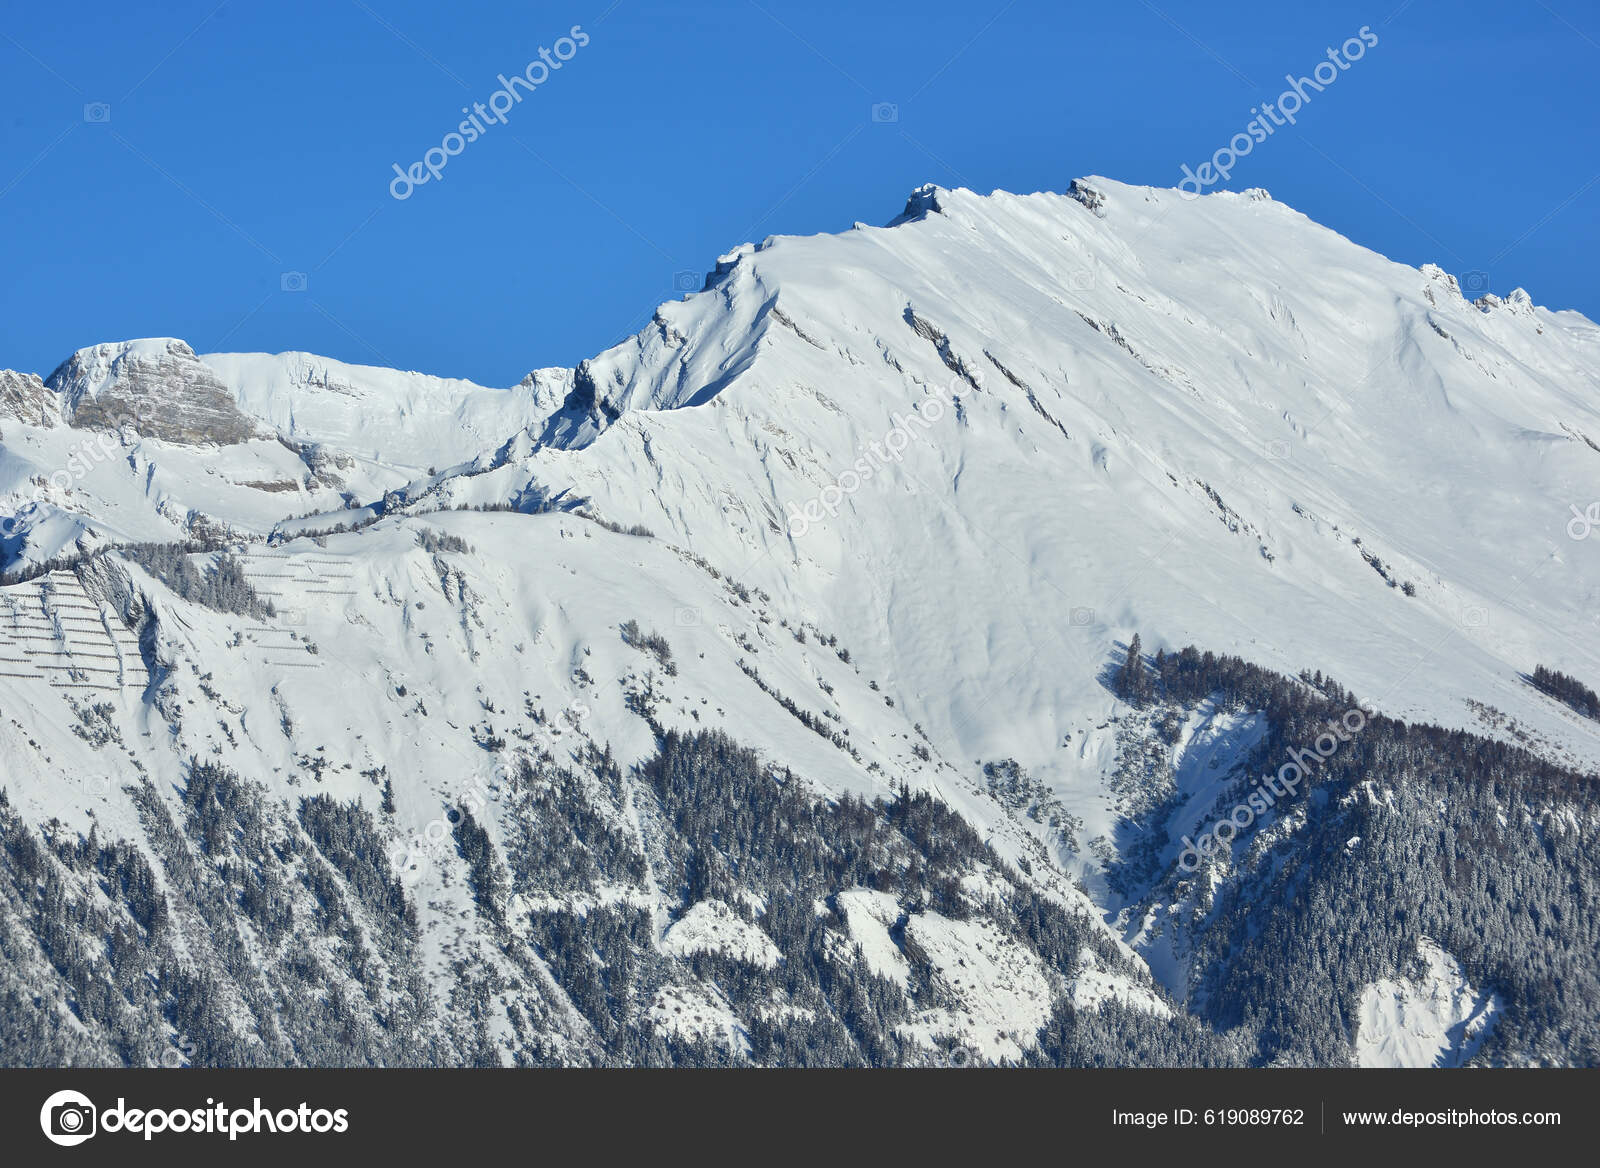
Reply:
x=158, y=386
x=25, y=398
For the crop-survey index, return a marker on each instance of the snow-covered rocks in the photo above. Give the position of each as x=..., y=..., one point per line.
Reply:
x=24, y=397
x=711, y=926
x=1000, y=993
x=869, y=918
x=1433, y=1019
x=1096, y=985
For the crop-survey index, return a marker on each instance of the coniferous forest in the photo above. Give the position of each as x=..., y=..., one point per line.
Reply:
x=242, y=930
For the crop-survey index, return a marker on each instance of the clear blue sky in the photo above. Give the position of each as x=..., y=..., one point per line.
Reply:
x=224, y=147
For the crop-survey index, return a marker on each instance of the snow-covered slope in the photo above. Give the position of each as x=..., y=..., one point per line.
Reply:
x=881, y=506
x=1436, y=1019
x=1211, y=419
x=408, y=420
x=1213, y=381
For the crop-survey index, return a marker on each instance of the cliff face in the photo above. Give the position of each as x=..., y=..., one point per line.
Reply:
x=158, y=386
x=24, y=397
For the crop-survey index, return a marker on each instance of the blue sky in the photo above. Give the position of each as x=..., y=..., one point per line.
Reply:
x=164, y=165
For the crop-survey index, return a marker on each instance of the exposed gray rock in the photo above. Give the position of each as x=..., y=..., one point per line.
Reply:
x=24, y=397
x=157, y=386
x=1090, y=197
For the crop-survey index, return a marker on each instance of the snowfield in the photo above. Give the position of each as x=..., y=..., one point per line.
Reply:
x=712, y=926
x=1434, y=1020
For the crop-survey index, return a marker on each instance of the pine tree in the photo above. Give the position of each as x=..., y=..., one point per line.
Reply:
x=1131, y=682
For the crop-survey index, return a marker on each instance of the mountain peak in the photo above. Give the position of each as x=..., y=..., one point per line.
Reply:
x=156, y=385
x=924, y=200
x=870, y=516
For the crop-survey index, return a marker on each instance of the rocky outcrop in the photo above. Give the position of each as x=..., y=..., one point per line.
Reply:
x=25, y=398
x=157, y=386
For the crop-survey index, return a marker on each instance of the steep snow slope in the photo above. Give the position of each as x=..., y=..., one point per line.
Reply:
x=1214, y=420
x=436, y=671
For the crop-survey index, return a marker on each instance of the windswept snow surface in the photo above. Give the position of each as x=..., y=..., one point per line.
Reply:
x=710, y=926
x=1435, y=1019
x=384, y=415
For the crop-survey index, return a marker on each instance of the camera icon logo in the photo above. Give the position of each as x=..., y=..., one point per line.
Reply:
x=97, y=113
x=686, y=618
x=1475, y=282
x=687, y=281
x=292, y=282
x=1081, y=280
x=1082, y=617
x=68, y=1118
x=1277, y=448
x=885, y=113
x=293, y=617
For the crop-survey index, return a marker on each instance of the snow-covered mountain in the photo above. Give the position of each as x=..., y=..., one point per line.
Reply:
x=452, y=723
